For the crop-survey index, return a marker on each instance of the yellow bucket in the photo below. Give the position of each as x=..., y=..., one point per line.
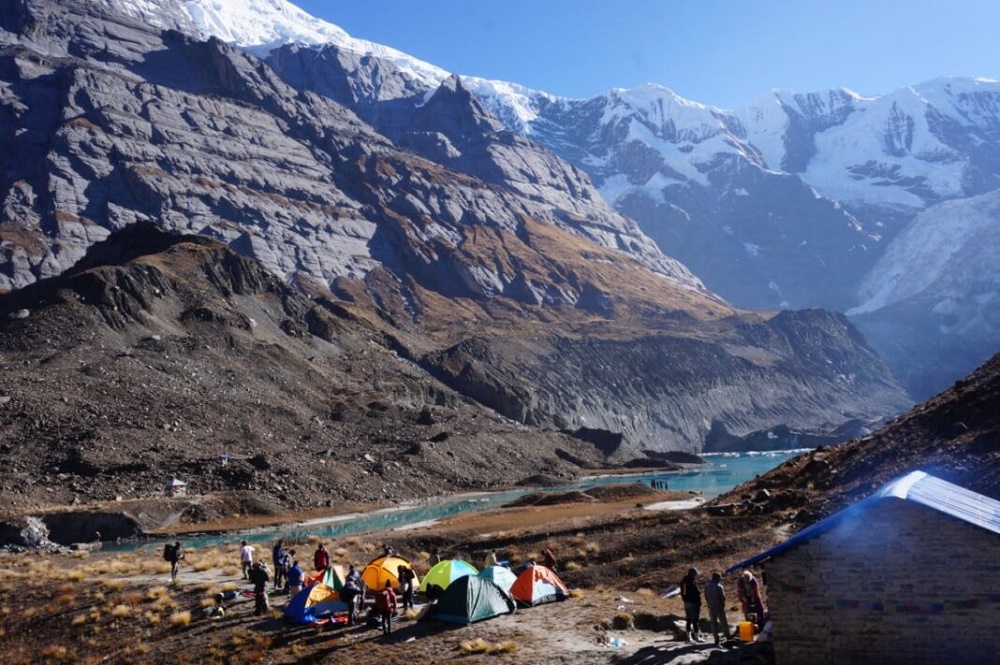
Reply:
x=746, y=631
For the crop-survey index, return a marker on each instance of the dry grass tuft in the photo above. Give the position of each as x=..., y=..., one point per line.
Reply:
x=623, y=621
x=576, y=593
x=113, y=585
x=645, y=592
x=56, y=652
x=179, y=619
x=573, y=565
x=120, y=611
x=479, y=645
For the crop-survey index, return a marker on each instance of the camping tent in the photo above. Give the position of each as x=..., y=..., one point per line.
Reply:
x=499, y=575
x=315, y=603
x=333, y=577
x=445, y=572
x=537, y=584
x=471, y=598
x=382, y=570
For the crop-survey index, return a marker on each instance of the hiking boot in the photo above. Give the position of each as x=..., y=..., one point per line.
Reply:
x=696, y=637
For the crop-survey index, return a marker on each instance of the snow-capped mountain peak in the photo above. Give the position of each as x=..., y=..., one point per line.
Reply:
x=259, y=26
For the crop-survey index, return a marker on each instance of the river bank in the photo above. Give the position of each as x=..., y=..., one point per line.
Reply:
x=212, y=518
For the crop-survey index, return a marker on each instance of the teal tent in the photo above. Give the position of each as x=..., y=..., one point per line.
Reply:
x=471, y=598
x=501, y=576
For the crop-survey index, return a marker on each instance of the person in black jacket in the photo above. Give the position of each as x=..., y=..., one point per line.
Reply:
x=691, y=596
x=260, y=576
x=174, y=554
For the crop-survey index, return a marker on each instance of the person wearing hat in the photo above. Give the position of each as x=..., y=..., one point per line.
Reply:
x=691, y=595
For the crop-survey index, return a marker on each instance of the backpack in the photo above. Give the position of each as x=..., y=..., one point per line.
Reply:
x=382, y=603
x=168, y=552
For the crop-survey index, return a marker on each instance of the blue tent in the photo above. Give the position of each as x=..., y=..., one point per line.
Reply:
x=314, y=604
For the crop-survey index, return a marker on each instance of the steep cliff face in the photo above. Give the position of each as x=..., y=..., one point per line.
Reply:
x=125, y=123
x=666, y=392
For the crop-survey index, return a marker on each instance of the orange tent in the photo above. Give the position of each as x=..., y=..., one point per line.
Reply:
x=536, y=585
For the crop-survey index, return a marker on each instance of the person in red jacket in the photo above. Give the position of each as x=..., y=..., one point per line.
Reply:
x=321, y=558
x=385, y=606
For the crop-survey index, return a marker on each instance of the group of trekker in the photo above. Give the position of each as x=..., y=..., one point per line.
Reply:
x=747, y=592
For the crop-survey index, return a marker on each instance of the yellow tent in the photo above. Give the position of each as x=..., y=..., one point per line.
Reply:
x=382, y=570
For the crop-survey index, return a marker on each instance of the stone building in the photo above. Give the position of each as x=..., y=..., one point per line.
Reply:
x=910, y=575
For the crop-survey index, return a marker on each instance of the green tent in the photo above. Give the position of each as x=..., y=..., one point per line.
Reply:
x=445, y=572
x=471, y=598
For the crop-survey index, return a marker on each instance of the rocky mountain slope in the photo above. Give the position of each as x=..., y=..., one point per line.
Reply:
x=488, y=261
x=158, y=354
x=789, y=202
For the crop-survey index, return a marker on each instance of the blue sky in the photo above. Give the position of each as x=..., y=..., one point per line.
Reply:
x=719, y=52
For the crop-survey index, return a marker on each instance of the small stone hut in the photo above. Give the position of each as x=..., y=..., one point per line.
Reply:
x=910, y=575
x=175, y=487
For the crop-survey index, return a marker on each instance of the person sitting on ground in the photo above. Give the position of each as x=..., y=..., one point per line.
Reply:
x=388, y=550
x=385, y=606
x=490, y=560
x=216, y=611
x=294, y=578
x=548, y=559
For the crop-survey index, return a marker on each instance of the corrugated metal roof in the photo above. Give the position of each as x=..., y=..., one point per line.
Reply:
x=918, y=487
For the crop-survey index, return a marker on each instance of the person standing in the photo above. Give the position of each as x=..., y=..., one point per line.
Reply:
x=174, y=556
x=279, y=558
x=353, y=595
x=385, y=606
x=260, y=577
x=715, y=599
x=321, y=558
x=246, y=559
x=405, y=575
x=691, y=596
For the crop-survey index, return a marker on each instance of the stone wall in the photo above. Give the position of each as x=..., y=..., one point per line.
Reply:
x=897, y=583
